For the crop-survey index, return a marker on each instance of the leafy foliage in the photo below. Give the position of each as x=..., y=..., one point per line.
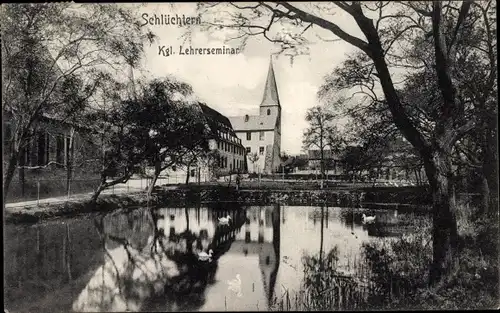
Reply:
x=55, y=56
x=159, y=127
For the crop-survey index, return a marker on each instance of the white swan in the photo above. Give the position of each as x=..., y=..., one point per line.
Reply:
x=224, y=220
x=235, y=285
x=203, y=256
x=286, y=259
x=368, y=219
x=283, y=198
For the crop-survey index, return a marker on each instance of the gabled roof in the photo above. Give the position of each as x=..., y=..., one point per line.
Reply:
x=214, y=115
x=218, y=123
x=253, y=122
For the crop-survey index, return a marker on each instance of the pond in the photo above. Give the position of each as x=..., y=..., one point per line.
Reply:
x=149, y=259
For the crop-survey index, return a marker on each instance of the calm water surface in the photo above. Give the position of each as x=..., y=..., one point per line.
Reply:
x=147, y=259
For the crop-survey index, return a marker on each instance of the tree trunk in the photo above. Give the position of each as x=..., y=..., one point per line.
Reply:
x=155, y=178
x=98, y=191
x=485, y=195
x=445, y=236
x=69, y=162
x=321, y=238
x=104, y=185
x=187, y=173
x=490, y=170
x=9, y=174
x=22, y=180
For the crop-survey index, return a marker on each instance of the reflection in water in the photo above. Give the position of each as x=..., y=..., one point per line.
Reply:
x=147, y=259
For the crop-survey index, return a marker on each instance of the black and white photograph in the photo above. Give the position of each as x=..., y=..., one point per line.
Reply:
x=250, y=156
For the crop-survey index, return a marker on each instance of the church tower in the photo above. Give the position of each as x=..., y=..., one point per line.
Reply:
x=270, y=108
x=270, y=105
x=261, y=134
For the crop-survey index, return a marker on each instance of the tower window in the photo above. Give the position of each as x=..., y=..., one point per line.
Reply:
x=261, y=150
x=249, y=135
x=261, y=135
x=246, y=117
x=268, y=111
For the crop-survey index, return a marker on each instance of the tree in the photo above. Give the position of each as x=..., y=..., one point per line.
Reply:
x=174, y=130
x=253, y=157
x=300, y=162
x=378, y=142
x=57, y=52
x=321, y=133
x=212, y=162
x=387, y=27
x=123, y=148
x=286, y=164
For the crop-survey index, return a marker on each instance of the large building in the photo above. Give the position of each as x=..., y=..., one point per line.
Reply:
x=261, y=134
x=228, y=153
x=332, y=161
x=44, y=158
x=231, y=153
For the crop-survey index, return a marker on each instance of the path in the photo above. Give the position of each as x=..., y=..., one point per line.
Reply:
x=132, y=187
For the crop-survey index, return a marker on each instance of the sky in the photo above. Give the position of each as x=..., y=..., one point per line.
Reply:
x=234, y=84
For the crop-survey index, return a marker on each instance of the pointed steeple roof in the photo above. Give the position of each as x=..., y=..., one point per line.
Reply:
x=271, y=96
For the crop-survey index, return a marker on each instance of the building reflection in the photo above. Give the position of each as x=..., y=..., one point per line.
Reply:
x=182, y=233
x=261, y=237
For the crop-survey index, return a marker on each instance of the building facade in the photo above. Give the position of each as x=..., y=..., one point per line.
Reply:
x=261, y=134
x=52, y=145
x=333, y=163
x=227, y=154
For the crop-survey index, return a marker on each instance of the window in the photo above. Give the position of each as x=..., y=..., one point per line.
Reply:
x=193, y=172
x=218, y=145
x=248, y=150
x=268, y=111
x=47, y=148
x=66, y=146
x=261, y=135
x=41, y=149
x=60, y=150
x=249, y=135
x=27, y=153
x=261, y=150
x=246, y=118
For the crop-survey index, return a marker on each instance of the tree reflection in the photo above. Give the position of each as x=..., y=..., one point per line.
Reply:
x=186, y=291
x=130, y=273
x=326, y=288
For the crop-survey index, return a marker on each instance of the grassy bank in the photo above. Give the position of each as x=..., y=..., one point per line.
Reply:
x=397, y=275
x=196, y=194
